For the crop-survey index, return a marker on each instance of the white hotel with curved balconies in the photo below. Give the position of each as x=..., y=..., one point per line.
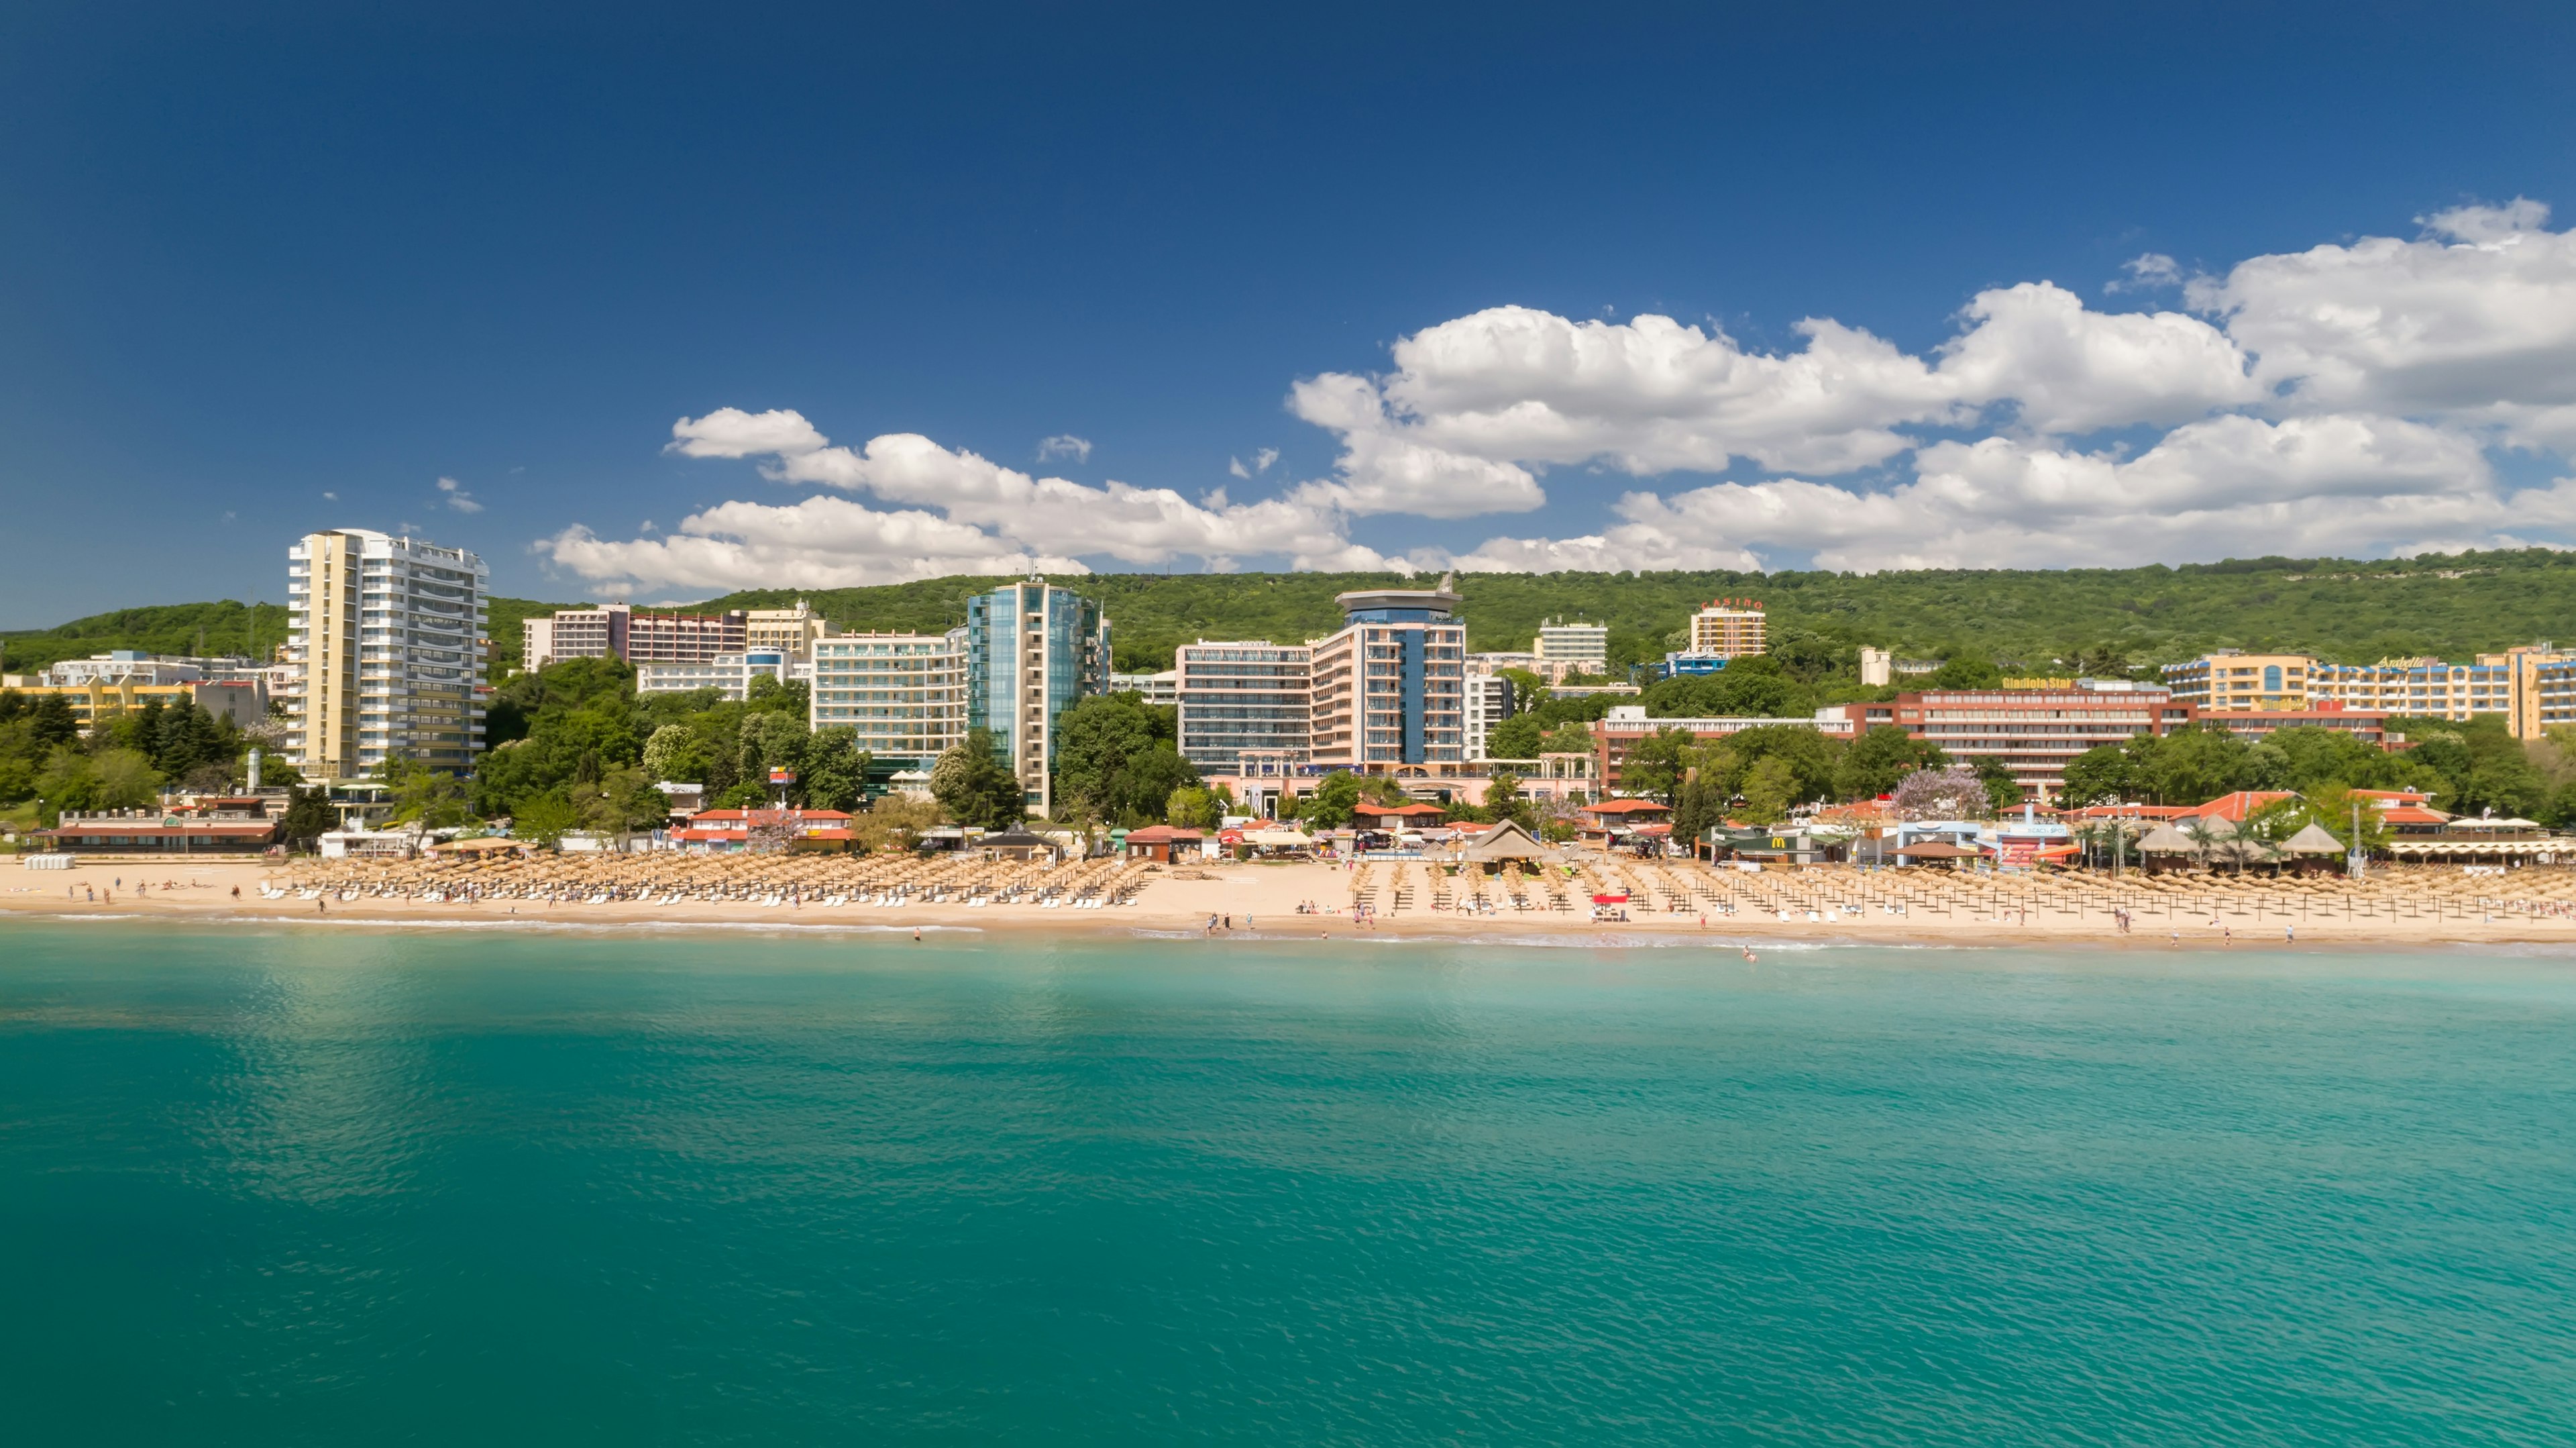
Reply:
x=384, y=646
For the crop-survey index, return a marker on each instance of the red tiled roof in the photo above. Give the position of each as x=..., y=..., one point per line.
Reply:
x=2407, y=814
x=1412, y=808
x=2233, y=808
x=1158, y=834
x=1627, y=807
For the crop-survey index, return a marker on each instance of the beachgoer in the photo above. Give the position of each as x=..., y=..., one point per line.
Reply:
x=2289, y=935
x=321, y=907
x=916, y=932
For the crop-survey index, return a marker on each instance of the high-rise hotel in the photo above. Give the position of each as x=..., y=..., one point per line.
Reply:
x=1385, y=695
x=385, y=638
x=1032, y=650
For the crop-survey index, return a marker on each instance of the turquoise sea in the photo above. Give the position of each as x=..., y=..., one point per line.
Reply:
x=339, y=1185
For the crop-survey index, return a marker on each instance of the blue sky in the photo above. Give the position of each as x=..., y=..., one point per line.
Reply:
x=282, y=268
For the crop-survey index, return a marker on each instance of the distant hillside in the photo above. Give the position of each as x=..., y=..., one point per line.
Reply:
x=2345, y=610
x=2353, y=611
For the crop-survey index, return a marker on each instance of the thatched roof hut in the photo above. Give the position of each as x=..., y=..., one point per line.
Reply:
x=1506, y=841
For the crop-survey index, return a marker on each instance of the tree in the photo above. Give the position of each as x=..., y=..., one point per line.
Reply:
x=52, y=724
x=770, y=740
x=1954, y=793
x=2003, y=791
x=1966, y=669
x=675, y=753
x=1698, y=807
x=1874, y=763
x=1153, y=776
x=1116, y=761
x=2192, y=766
x=1572, y=737
x=1192, y=807
x=1768, y=791
x=309, y=816
x=2103, y=774
x=620, y=802
x=1515, y=738
x=1502, y=798
x=896, y=821
x=429, y=798
x=1654, y=765
x=974, y=787
x=546, y=818
x=836, y=769
x=1329, y=807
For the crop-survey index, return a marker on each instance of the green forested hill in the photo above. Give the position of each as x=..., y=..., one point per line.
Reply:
x=2346, y=610
x=2451, y=606
x=227, y=627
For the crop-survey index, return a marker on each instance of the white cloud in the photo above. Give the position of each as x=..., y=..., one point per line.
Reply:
x=2347, y=398
x=2227, y=486
x=457, y=497
x=1065, y=445
x=2072, y=370
x=2477, y=318
x=819, y=542
x=2146, y=273
x=958, y=513
x=330, y=497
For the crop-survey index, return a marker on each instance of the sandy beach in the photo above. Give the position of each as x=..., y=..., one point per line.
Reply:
x=1264, y=899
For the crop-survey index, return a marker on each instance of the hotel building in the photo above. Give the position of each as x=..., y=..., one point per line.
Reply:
x=386, y=634
x=617, y=631
x=2529, y=685
x=2231, y=680
x=1162, y=689
x=1729, y=628
x=1626, y=725
x=1389, y=688
x=1239, y=698
x=1487, y=701
x=1032, y=649
x=728, y=674
x=2033, y=732
x=905, y=693
x=789, y=630
x=1572, y=648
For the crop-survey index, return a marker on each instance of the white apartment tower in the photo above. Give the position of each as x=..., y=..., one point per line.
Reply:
x=385, y=641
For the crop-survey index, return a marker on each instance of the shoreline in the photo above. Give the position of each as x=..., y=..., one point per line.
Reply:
x=1260, y=907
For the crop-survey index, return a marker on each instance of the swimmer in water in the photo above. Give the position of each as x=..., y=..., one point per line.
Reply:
x=1749, y=955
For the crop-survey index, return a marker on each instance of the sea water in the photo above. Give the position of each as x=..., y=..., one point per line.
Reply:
x=338, y=1185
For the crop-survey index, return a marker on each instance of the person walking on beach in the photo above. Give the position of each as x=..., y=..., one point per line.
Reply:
x=2289, y=935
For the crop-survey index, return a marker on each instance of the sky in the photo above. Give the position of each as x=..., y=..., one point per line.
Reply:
x=656, y=302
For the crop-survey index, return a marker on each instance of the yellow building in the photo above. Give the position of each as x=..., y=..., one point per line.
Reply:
x=1730, y=628
x=793, y=631
x=2231, y=680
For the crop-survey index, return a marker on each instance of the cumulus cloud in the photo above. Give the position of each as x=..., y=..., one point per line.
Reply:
x=2475, y=318
x=2232, y=485
x=2071, y=369
x=1065, y=445
x=2146, y=273
x=958, y=512
x=457, y=497
x=2347, y=398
